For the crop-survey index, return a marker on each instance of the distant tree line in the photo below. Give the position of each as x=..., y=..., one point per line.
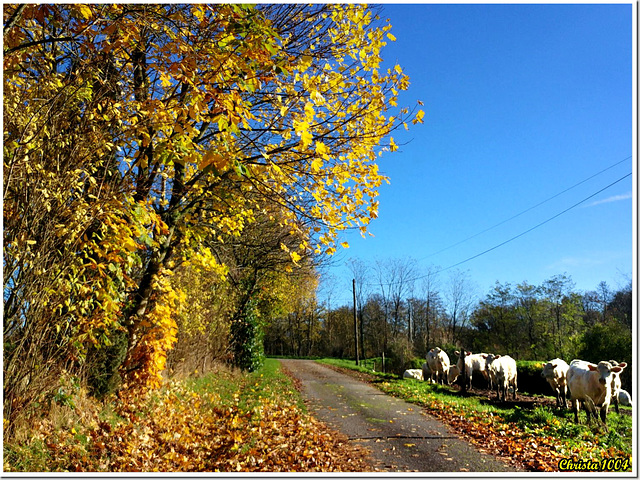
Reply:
x=403, y=318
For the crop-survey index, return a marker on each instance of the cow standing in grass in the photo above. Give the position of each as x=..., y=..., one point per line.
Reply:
x=426, y=372
x=473, y=363
x=616, y=386
x=454, y=373
x=438, y=362
x=591, y=386
x=555, y=372
x=503, y=369
x=624, y=398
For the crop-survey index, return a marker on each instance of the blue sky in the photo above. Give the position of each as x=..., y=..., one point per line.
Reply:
x=521, y=103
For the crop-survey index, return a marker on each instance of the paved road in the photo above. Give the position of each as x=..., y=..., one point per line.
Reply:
x=400, y=435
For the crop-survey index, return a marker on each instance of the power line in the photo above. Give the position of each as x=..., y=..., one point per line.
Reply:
x=512, y=238
x=538, y=225
x=527, y=210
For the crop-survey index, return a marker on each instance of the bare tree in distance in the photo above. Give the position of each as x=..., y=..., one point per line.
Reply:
x=395, y=277
x=604, y=295
x=459, y=296
x=429, y=286
x=328, y=285
x=384, y=297
x=556, y=289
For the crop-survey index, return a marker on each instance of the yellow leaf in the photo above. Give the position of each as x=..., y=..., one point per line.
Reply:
x=317, y=98
x=419, y=117
x=85, y=11
x=215, y=159
x=309, y=111
x=306, y=138
x=345, y=244
x=316, y=164
x=305, y=62
x=391, y=37
x=198, y=13
x=321, y=149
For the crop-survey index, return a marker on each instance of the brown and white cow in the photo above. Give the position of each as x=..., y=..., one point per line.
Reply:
x=591, y=386
x=454, y=372
x=555, y=372
x=426, y=372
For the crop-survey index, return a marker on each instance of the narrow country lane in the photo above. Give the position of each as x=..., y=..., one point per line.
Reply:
x=400, y=435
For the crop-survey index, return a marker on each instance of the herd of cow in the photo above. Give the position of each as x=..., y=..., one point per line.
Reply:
x=588, y=385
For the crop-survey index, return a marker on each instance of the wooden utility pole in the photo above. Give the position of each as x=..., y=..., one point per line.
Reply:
x=410, y=320
x=355, y=323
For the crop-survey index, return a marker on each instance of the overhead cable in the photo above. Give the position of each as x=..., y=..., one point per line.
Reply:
x=538, y=225
x=512, y=238
x=527, y=210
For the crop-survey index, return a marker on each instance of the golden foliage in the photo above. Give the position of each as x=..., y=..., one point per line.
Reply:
x=135, y=131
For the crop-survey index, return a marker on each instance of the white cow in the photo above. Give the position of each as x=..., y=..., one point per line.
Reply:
x=438, y=362
x=474, y=363
x=426, y=372
x=415, y=373
x=616, y=385
x=624, y=398
x=503, y=369
x=555, y=372
x=591, y=385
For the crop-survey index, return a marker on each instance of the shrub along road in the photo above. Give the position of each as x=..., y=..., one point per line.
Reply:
x=400, y=436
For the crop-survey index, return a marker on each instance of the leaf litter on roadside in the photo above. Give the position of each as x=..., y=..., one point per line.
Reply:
x=181, y=430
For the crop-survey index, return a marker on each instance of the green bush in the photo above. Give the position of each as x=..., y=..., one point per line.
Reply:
x=104, y=361
x=417, y=362
x=400, y=356
x=609, y=341
x=529, y=379
x=246, y=339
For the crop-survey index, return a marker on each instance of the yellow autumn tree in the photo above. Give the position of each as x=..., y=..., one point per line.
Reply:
x=202, y=118
x=72, y=232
